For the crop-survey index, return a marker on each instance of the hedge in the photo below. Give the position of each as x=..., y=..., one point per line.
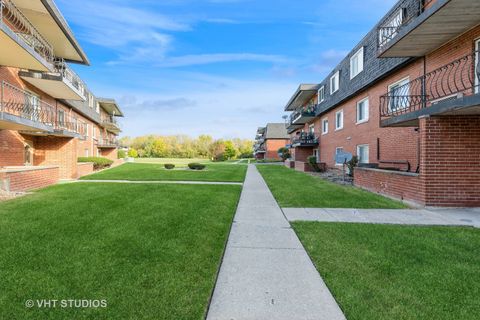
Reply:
x=98, y=162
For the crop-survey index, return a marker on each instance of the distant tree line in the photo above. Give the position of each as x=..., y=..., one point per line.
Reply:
x=181, y=146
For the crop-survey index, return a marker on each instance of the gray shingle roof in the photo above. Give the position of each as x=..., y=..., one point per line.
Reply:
x=276, y=131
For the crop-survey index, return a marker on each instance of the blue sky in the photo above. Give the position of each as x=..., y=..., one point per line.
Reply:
x=218, y=67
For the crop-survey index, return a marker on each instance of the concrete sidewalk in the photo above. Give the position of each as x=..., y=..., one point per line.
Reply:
x=266, y=273
x=432, y=217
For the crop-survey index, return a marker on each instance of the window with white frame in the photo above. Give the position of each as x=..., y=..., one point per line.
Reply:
x=356, y=63
x=338, y=150
x=94, y=132
x=311, y=129
x=398, y=95
x=362, y=110
x=335, y=82
x=363, y=153
x=339, y=120
x=325, y=126
x=90, y=101
x=87, y=129
x=87, y=152
x=321, y=95
x=316, y=154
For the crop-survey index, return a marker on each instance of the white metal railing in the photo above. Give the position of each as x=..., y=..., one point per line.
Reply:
x=15, y=20
x=62, y=67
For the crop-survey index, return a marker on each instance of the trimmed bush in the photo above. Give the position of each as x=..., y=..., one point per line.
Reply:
x=169, y=166
x=98, y=162
x=121, y=154
x=196, y=166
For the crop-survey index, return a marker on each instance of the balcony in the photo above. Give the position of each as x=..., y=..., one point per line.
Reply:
x=22, y=44
x=299, y=118
x=22, y=111
x=111, y=124
x=63, y=83
x=302, y=96
x=68, y=126
x=305, y=140
x=417, y=27
x=107, y=143
x=450, y=90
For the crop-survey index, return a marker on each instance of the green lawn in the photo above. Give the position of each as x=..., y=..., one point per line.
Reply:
x=295, y=189
x=152, y=251
x=176, y=161
x=154, y=172
x=397, y=272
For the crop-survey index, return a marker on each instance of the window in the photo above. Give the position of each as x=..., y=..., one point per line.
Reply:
x=90, y=101
x=87, y=129
x=325, y=126
x=61, y=118
x=363, y=153
x=356, y=63
x=362, y=111
x=311, y=129
x=98, y=108
x=94, y=132
x=339, y=120
x=335, y=82
x=338, y=151
x=321, y=94
x=87, y=153
x=316, y=155
x=477, y=66
x=398, y=95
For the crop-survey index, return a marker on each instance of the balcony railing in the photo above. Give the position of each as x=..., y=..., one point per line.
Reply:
x=23, y=104
x=108, y=142
x=17, y=22
x=399, y=18
x=111, y=121
x=308, y=111
x=67, y=122
x=305, y=139
x=67, y=73
x=456, y=79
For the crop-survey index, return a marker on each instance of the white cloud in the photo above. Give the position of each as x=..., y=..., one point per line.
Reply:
x=201, y=59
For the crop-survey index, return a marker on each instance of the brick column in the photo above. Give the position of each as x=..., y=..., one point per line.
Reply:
x=450, y=160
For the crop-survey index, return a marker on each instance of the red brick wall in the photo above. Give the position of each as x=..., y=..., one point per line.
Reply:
x=12, y=148
x=302, y=154
x=450, y=150
x=395, y=143
x=272, y=146
x=26, y=180
x=400, y=185
x=109, y=153
x=57, y=151
x=84, y=168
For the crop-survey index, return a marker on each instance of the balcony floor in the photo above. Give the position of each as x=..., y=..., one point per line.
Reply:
x=54, y=85
x=13, y=122
x=442, y=22
x=469, y=105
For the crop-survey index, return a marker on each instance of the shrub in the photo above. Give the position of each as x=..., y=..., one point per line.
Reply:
x=98, y=162
x=312, y=160
x=132, y=153
x=169, y=166
x=351, y=165
x=121, y=154
x=284, y=153
x=196, y=166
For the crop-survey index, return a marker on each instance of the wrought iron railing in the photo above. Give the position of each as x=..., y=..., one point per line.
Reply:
x=305, y=138
x=17, y=22
x=68, y=122
x=456, y=79
x=111, y=121
x=70, y=75
x=305, y=111
x=399, y=18
x=107, y=142
x=23, y=104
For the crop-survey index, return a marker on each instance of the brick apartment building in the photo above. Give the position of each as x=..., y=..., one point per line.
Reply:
x=405, y=101
x=48, y=116
x=269, y=139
